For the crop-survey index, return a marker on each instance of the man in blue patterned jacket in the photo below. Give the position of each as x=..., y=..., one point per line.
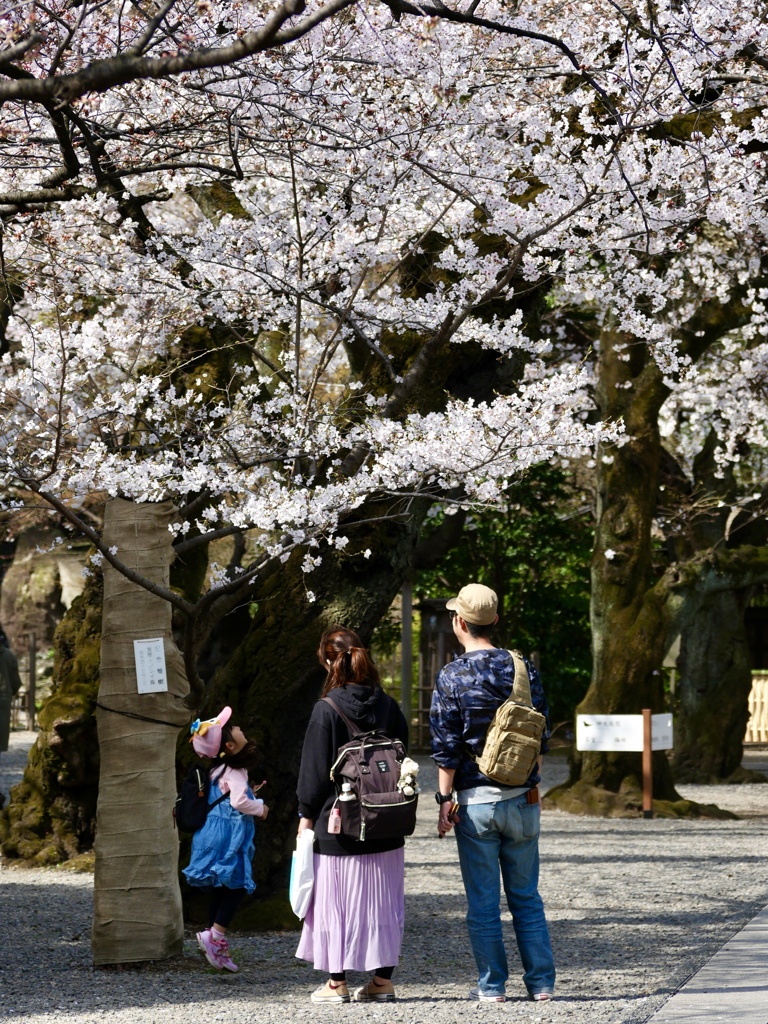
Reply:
x=497, y=827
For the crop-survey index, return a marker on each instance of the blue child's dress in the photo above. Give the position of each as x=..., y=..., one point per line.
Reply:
x=222, y=850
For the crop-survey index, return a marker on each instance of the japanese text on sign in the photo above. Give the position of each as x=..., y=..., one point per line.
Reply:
x=150, y=666
x=621, y=732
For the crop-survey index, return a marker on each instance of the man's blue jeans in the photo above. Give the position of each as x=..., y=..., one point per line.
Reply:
x=504, y=837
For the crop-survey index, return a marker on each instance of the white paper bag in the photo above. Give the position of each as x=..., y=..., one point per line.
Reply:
x=302, y=873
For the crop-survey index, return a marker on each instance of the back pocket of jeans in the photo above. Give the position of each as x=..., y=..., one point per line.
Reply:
x=476, y=819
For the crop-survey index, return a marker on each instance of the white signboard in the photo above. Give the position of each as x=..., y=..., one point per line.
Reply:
x=609, y=732
x=661, y=732
x=621, y=732
x=150, y=666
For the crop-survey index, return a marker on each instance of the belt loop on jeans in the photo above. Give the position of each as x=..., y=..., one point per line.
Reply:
x=532, y=796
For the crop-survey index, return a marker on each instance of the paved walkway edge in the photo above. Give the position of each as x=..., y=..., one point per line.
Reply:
x=731, y=987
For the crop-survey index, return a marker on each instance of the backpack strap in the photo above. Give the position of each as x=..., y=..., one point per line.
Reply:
x=521, y=687
x=211, y=780
x=352, y=729
x=520, y=694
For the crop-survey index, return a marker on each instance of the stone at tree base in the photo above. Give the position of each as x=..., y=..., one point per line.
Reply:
x=740, y=777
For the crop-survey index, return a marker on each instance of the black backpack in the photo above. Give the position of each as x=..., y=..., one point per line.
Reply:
x=192, y=805
x=366, y=774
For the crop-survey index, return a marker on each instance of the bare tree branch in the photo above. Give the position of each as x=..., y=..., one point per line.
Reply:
x=146, y=37
x=72, y=517
x=25, y=197
x=205, y=538
x=18, y=50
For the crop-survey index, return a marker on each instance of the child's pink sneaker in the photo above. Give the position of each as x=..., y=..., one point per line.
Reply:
x=225, y=959
x=215, y=951
x=209, y=948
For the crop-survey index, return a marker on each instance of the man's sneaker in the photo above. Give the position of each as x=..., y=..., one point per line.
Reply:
x=375, y=992
x=486, y=997
x=540, y=997
x=331, y=992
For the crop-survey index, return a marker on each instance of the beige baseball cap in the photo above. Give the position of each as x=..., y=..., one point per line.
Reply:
x=476, y=604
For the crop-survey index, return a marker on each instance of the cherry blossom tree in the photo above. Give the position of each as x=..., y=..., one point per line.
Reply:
x=689, y=491
x=305, y=271
x=262, y=352
x=712, y=509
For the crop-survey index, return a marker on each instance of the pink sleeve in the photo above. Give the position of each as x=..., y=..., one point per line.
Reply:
x=235, y=782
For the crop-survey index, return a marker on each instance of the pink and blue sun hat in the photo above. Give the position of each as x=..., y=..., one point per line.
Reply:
x=206, y=736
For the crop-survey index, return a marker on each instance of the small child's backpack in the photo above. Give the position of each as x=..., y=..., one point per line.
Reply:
x=513, y=740
x=192, y=807
x=366, y=774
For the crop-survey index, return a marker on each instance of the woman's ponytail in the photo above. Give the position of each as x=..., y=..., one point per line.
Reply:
x=342, y=655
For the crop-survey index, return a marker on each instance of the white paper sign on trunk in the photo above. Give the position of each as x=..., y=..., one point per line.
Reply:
x=151, y=676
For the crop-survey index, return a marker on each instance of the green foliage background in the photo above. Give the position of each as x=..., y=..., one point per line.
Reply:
x=536, y=555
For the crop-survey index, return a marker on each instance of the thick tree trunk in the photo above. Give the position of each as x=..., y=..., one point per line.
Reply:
x=51, y=814
x=627, y=611
x=137, y=903
x=715, y=670
x=714, y=684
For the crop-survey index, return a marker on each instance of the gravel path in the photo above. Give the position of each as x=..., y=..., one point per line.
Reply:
x=635, y=907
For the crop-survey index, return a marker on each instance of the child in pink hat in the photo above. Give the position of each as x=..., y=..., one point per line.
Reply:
x=222, y=850
x=206, y=736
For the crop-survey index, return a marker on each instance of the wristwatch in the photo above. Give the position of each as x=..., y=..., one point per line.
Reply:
x=443, y=798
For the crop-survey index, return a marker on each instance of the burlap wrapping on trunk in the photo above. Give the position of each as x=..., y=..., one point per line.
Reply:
x=137, y=903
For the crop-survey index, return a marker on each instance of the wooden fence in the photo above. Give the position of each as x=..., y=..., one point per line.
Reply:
x=757, y=726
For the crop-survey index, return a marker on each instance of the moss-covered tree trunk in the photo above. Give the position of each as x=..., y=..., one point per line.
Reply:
x=136, y=898
x=727, y=554
x=628, y=613
x=51, y=813
x=715, y=670
x=713, y=689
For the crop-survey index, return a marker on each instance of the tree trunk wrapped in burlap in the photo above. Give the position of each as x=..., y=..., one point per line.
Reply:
x=137, y=903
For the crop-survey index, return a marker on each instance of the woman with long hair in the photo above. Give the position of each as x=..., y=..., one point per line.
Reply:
x=356, y=918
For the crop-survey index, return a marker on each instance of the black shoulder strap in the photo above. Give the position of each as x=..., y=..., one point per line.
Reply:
x=351, y=728
x=211, y=780
x=355, y=730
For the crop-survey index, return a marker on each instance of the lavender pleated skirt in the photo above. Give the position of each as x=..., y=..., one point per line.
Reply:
x=355, y=921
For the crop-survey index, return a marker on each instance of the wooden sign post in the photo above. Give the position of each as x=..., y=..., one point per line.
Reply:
x=642, y=733
x=647, y=764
